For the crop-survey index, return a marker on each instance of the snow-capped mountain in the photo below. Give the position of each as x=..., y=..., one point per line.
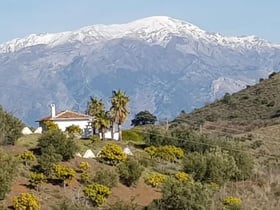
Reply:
x=165, y=65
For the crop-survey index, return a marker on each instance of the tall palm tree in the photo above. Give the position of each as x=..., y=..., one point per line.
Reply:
x=119, y=109
x=94, y=107
x=102, y=122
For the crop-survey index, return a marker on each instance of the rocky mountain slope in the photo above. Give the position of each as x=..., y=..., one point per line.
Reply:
x=165, y=65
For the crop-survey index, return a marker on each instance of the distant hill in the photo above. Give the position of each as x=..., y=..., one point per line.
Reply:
x=259, y=102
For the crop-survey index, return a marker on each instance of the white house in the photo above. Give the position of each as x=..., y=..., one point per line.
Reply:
x=67, y=118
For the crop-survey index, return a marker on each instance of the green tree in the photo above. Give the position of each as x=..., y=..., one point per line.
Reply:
x=102, y=122
x=144, y=118
x=62, y=145
x=119, y=109
x=95, y=106
x=8, y=171
x=10, y=128
x=48, y=159
x=130, y=171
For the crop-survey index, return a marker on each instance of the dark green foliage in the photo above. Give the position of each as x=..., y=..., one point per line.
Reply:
x=214, y=166
x=196, y=164
x=244, y=163
x=107, y=177
x=62, y=145
x=130, y=171
x=183, y=196
x=48, y=159
x=8, y=170
x=10, y=128
x=144, y=118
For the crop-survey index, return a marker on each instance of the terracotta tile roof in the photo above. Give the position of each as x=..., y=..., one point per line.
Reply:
x=66, y=115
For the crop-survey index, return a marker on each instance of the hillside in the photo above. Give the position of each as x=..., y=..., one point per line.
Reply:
x=256, y=104
x=165, y=65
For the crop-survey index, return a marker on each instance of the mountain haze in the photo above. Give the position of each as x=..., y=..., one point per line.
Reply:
x=165, y=65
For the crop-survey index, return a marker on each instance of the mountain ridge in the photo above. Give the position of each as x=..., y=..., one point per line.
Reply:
x=101, y=32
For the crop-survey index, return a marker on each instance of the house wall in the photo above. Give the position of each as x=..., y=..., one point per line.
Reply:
x=108, y=135
x=63, y=124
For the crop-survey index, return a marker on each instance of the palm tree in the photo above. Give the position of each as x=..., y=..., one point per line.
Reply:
x=119, y=110
x=94, y=107
x=102, y=122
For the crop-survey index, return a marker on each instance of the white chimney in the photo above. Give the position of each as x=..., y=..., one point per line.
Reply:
x=52, y=110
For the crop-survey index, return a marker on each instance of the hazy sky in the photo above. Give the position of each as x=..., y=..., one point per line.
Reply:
x=19, y=18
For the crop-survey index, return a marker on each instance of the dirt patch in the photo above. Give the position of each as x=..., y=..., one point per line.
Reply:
x=141, y=194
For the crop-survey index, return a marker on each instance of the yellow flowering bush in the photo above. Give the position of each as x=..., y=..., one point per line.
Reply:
x=36, y=179
x=84, y=166
x=26, y=201
x=64, y=173
x=97, y=193
x=112, y=154
x=155, y=179
x=167, y=152
x=27, y=157
x=184, y=177
x=232, y=203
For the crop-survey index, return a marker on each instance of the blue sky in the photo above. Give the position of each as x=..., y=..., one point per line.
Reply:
x=19, y=18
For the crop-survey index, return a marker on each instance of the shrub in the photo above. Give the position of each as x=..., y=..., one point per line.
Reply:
x=132, y=135
x=155, y=179
x=48, y=159
x=8, y=170
x=10, y=128
x=179, y=195
x=184, y=177
x=94, y=139
x=232, y=203
x=86, y=177
x=62, y=145
x=84, y=166
x=130, y=171
x=74, y=129
x=213, y=166
x=64, y=173
x=69, y=205
x=27, y=157
x=50, y=125
x=121, y=205
x=26, y=201
x=112, y=154
x=97, y=193
x=106, y=177
x=168, y=152
x=36, y=179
